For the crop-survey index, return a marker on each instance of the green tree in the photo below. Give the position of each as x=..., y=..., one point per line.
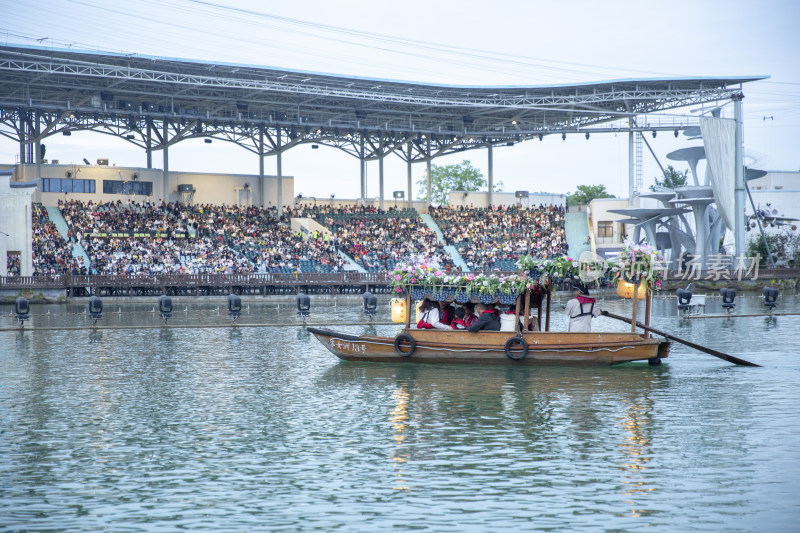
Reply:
x=586, y=193
x=672, y=179
x=784, y=245
x=461, y=177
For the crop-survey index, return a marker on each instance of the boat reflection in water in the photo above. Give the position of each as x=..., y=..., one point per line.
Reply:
x=399, y=417
x=522, y=421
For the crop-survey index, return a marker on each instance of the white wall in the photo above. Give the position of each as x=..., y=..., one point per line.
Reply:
x=599, y=211
x=210, y=188
x=778, y=188
x=16, y=221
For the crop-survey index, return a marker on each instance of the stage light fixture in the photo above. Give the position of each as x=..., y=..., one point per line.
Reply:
x=563, y=136
x=654, y=134
x=207, y=141
x=587, y=135
x=676, y=133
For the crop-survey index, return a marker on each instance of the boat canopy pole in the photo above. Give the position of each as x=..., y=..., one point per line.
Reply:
x=635, y=298
x=539, y=315
x=547, y=318
x=408, y=311
x=526, y=319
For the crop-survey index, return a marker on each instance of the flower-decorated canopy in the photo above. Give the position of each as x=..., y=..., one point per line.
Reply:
x=635, y=262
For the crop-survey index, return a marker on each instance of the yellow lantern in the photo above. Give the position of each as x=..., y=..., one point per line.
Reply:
x=625, y=290
x=398, y=310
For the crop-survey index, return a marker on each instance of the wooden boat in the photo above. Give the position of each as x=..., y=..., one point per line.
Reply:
x=494, y=347
x=519, y=347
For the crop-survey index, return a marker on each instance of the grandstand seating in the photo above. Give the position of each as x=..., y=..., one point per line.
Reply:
x=145, y=238
x=495, y=238
x=378, y=240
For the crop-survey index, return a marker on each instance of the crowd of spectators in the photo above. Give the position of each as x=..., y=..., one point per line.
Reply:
x=377, y=240
x=12, y=264
x=142, y=238
x=147, y=238
x=51, y=254
x=494, y=238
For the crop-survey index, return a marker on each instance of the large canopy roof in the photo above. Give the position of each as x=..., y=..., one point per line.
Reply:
x=155, y=102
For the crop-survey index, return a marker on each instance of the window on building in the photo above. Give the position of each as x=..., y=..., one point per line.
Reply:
x=605, y=228
x=142, y=188
x=67, y=185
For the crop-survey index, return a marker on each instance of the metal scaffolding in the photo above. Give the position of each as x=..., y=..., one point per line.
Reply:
x=155, y=103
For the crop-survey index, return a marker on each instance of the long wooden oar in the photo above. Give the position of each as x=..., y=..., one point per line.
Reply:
x=715, y=353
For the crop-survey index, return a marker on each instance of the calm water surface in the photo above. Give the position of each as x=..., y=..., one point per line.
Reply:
x=253, y=429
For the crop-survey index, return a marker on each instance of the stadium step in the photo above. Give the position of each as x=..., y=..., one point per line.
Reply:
x=457, y=259
x=428, y=220
x=55, y=217
x=61, y=225
x=577, y=230
x=352, y=264
x=78, y=251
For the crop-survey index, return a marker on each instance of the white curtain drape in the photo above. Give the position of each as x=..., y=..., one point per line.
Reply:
x=719, y=138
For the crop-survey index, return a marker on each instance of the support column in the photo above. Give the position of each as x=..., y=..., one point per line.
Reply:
x=166, y=160
x=491, y=175
x=410, y=199
x=149, y=140
x=22, y=137
x=631, y=169
x=38, y=158
x=363, y=168
x=738, y=188
x=262, y=187
x=428, y=170
x=279, y=163
x=380, y=173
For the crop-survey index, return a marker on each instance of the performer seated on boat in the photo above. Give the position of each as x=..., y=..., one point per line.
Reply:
x=581, y=309
x=458, y=321
x=507, y=319
x=429, y=318
x=445, y=312
x=470, y=317
x=488, y=319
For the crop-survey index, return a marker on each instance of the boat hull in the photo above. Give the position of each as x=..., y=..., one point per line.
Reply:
x=489, y=347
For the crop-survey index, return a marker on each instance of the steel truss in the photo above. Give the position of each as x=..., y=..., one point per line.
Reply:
x=155, y=103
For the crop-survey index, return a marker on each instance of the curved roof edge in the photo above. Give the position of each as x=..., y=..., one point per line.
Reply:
x=120, y=55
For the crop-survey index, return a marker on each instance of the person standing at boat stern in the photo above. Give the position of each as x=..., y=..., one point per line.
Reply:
x=488, y=319
x=581, y=309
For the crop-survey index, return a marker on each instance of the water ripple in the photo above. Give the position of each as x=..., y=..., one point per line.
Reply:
x=262, y=429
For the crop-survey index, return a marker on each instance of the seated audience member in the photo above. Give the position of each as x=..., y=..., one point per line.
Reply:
x=488, y=319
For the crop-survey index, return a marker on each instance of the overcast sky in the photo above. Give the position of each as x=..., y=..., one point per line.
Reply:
x=468, y=42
